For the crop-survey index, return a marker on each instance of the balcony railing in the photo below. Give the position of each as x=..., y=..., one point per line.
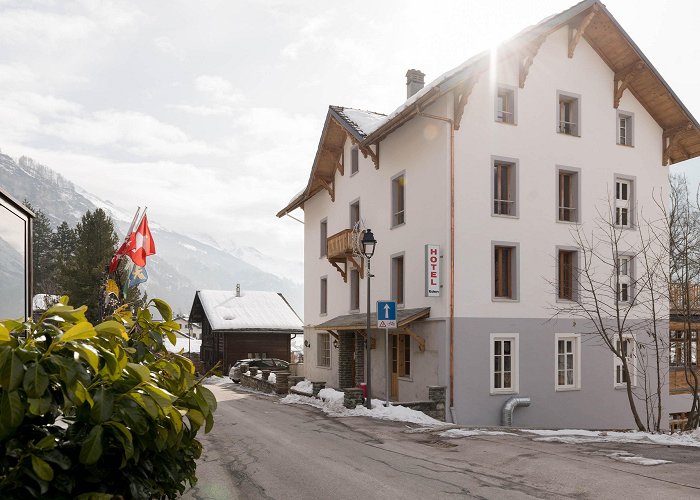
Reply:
x=340, y=245
x=680, y=298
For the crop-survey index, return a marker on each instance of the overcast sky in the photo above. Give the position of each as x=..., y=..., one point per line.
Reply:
x=210, y=112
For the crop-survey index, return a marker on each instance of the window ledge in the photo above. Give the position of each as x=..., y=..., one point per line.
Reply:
x=626, y=145
x=395, y=226
x=565, y=301
x=323, y=314
x=352, y=174
x=406, y=379
x=568, y=222
x=623, y=387
x=566, y=389
x=354, y=311
x=501, y=392
x=503, y=299
x=323, y=367
x=568, y=135
x=504, y=216
x=514, y=124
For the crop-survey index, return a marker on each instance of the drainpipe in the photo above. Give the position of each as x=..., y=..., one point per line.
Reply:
x=452, y=249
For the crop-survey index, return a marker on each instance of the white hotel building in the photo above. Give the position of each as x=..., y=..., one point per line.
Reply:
x=494, y=163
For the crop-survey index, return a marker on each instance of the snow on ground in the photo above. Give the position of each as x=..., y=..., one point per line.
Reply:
x=575, y=436
x=624, y=456
x=458, y=433
x=331, y=403
x=184, y=344
x=214, y=380
x=303, y=386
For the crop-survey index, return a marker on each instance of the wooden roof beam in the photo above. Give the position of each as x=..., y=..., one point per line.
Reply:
x=623, y=78
x=462, y=93
x=527, y=57
x=420, y=340
x=575, y=33
x=328, y=186
x=671, y=140
x=367, y=151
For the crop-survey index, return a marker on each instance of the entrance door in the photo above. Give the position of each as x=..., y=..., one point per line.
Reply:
x=394, y=395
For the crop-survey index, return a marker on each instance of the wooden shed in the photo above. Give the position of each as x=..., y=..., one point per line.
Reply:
x=239, y=325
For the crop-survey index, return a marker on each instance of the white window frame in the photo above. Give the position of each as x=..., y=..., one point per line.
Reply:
x=353, y=203
x=622, y=203
x=318, y=349
x=631, y=362
x=398, y=183
x=514, y=367
x=624, y=269
x=354, y=160
x=512, y=102
x=395, y=277
x=354, y=279
x=575, y=173
x=574, y=123
x=629, y=128
x=323, y=306
x=323, y=229
x=513, y=185
x=575, y=339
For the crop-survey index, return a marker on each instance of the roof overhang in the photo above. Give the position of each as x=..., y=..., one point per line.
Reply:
x=591, y=21
x=358, y=321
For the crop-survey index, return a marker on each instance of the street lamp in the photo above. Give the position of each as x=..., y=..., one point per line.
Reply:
x=368, y=244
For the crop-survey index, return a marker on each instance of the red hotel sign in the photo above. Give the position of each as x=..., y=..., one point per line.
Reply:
x=432, y=270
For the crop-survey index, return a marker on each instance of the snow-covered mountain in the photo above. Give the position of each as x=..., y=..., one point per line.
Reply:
x=182, y=265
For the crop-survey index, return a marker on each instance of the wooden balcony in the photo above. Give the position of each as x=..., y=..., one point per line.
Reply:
x=678, y=299
x=339, y=251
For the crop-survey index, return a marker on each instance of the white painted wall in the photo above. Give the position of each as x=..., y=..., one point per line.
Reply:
x=421, y=149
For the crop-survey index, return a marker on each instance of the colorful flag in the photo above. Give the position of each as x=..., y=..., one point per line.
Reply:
x=141, y=243
x=124, y=246
x=137, y=276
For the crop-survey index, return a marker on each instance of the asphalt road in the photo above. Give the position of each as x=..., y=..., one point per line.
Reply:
x=260, y=449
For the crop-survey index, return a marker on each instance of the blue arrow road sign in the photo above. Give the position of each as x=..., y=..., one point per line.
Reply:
x=386, y=314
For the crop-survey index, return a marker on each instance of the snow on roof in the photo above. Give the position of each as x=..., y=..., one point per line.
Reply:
x=42, y=301
x=365, y=122
x=251, y=311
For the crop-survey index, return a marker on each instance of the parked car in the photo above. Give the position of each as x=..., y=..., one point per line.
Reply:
x=272, y=364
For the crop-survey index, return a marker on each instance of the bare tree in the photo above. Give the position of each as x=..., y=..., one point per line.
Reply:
x=682, y=221
x=620, y=288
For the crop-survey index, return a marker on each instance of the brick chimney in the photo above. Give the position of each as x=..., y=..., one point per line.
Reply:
x=414, y=81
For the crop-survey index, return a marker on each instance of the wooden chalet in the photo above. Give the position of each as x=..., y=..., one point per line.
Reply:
x=239, y=325
x=684, y=326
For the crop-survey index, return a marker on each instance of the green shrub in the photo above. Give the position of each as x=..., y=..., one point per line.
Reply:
x=98, y=411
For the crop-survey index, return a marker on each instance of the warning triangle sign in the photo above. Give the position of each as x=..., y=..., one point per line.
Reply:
x=382, y=324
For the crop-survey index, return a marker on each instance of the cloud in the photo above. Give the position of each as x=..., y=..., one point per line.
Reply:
x=218, y=88
x=137, y=132
x=308, y=35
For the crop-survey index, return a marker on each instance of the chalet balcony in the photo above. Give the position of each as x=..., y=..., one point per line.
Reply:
x=679, y=300
x=339, y=251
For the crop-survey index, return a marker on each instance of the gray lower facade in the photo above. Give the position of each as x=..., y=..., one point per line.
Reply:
x=596, y=402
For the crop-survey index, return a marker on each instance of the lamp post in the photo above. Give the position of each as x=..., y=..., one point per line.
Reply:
x=368, y=244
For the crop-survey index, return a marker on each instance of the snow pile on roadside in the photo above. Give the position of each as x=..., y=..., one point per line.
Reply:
x=624, y=456
x=576, y=436
x=214, y=380
x=303, y=386
x=458, y=433
x=332, y=405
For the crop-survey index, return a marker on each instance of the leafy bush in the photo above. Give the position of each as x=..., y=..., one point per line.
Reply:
x=98, y=411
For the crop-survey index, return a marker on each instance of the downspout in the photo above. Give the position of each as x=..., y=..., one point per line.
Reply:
x=452, y=251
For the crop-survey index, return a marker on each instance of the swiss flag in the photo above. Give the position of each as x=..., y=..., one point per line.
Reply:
x=140, y=244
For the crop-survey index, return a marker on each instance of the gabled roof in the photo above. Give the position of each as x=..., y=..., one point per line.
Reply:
x=588, y=20
x=340, y=122
x=251, y=311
